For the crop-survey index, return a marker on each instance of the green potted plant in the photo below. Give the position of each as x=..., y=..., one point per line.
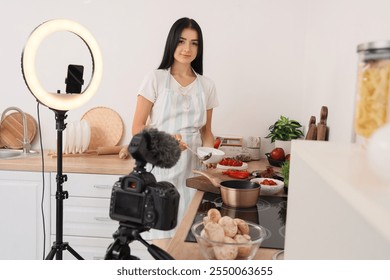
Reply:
x=284, y=130
x=285, y=171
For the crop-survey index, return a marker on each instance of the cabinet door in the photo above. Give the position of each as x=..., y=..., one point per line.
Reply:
x=87, y=185
x=21, y=219
x=86, y=217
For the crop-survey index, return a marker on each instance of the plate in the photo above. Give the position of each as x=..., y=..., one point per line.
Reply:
x=70, y=138
x=226, y=167
x=65, y=141
x=86, y=131
x=77, y=137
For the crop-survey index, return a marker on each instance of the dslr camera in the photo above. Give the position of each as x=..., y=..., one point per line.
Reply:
x=137, y=199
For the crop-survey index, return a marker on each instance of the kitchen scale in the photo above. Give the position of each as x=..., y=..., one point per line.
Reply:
x=269, y=212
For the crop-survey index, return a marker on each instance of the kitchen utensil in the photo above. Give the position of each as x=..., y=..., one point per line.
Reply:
x=11, y=130
x=201, y=157
x=322, y=129
x=312, y=131
x=106, y=127
x=235, y=193
x=212, y=250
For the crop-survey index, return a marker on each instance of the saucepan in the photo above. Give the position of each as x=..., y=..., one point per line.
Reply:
x=235, y=193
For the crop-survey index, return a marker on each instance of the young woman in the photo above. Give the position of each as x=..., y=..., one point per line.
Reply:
x=177, y=99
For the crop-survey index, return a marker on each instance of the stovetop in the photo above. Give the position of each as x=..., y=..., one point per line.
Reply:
x=269, y=212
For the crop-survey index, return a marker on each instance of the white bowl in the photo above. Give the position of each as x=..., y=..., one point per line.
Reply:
x=216, y=155
x=269, y=189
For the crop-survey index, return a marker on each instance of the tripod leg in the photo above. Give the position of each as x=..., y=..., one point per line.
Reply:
x=73, y=252
x=51, y=254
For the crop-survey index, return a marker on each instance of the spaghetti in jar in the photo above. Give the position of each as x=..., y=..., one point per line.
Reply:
x=373, y=86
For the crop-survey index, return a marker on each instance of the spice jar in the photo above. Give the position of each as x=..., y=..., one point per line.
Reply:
x=373, y=86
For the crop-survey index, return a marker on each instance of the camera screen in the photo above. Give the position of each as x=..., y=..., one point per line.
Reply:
x=130, y=205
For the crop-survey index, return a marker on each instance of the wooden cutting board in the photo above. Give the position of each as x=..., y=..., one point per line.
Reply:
x=11, y=130
x=106, y=127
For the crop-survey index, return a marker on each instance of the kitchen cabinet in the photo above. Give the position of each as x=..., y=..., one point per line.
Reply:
x=87, y=226
x=337, y=207
x=21, y=217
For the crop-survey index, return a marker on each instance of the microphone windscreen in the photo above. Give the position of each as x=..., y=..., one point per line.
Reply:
x=162, y=148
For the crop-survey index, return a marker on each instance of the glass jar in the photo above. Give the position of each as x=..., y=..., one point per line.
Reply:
x=373, y=86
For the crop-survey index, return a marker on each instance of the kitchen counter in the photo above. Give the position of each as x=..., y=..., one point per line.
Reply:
x=182, y=250
x=89, y=164
x=112, y=164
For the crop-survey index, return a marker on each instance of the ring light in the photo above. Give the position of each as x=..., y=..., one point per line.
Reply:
x=63, y=102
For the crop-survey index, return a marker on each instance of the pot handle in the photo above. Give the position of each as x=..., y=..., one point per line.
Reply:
x=214, y=180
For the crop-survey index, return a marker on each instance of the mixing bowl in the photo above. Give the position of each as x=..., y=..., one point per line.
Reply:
x=213, y=250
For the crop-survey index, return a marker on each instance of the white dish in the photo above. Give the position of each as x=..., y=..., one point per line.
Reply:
x=226, y=167
x=86, y=131
x=65, y=141
x=70, y=138
x=267, y=189
x=78, y=137
x=216, y=155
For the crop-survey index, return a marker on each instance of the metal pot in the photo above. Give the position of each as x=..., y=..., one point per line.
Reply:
x=235, y=193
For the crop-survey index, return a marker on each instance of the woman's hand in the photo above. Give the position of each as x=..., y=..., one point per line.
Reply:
x=182, y=145
x=211, y=165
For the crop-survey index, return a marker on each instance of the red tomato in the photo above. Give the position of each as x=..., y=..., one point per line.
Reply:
x=230, y=162
x=217, y=143
x=277, y=154
x=268, y=182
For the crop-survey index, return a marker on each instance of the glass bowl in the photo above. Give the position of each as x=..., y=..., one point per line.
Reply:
x=213, y=250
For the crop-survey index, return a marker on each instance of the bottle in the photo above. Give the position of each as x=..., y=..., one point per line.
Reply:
x=373, y=86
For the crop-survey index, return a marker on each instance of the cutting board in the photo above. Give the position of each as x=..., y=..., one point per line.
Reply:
x=202, y=183
x=11, y=130
x=106, y=127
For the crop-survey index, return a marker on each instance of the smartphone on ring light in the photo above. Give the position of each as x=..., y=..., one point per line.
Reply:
x=74, y=80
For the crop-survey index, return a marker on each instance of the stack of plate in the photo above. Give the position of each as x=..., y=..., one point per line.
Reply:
x=77, y=136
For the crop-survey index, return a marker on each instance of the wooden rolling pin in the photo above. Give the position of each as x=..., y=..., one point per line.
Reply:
x=110, y=150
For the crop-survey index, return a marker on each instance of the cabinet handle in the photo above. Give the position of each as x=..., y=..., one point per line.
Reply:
x=102, y=219
x=104, y=187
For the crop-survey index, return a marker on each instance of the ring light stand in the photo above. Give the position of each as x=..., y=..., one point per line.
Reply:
x=60, y=104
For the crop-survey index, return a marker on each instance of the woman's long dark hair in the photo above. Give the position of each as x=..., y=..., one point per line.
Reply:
x=173, y=40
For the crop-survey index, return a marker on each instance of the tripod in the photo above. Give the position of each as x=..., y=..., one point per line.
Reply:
x=59, y=246
x=127, y=233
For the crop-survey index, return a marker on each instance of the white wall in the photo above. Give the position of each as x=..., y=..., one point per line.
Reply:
x=334, y=28
x=267, y=58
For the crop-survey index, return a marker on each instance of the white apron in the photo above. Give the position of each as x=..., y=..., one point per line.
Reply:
x=184, y=113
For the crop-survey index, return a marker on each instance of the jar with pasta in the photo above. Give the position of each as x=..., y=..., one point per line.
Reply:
x=373, y=86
